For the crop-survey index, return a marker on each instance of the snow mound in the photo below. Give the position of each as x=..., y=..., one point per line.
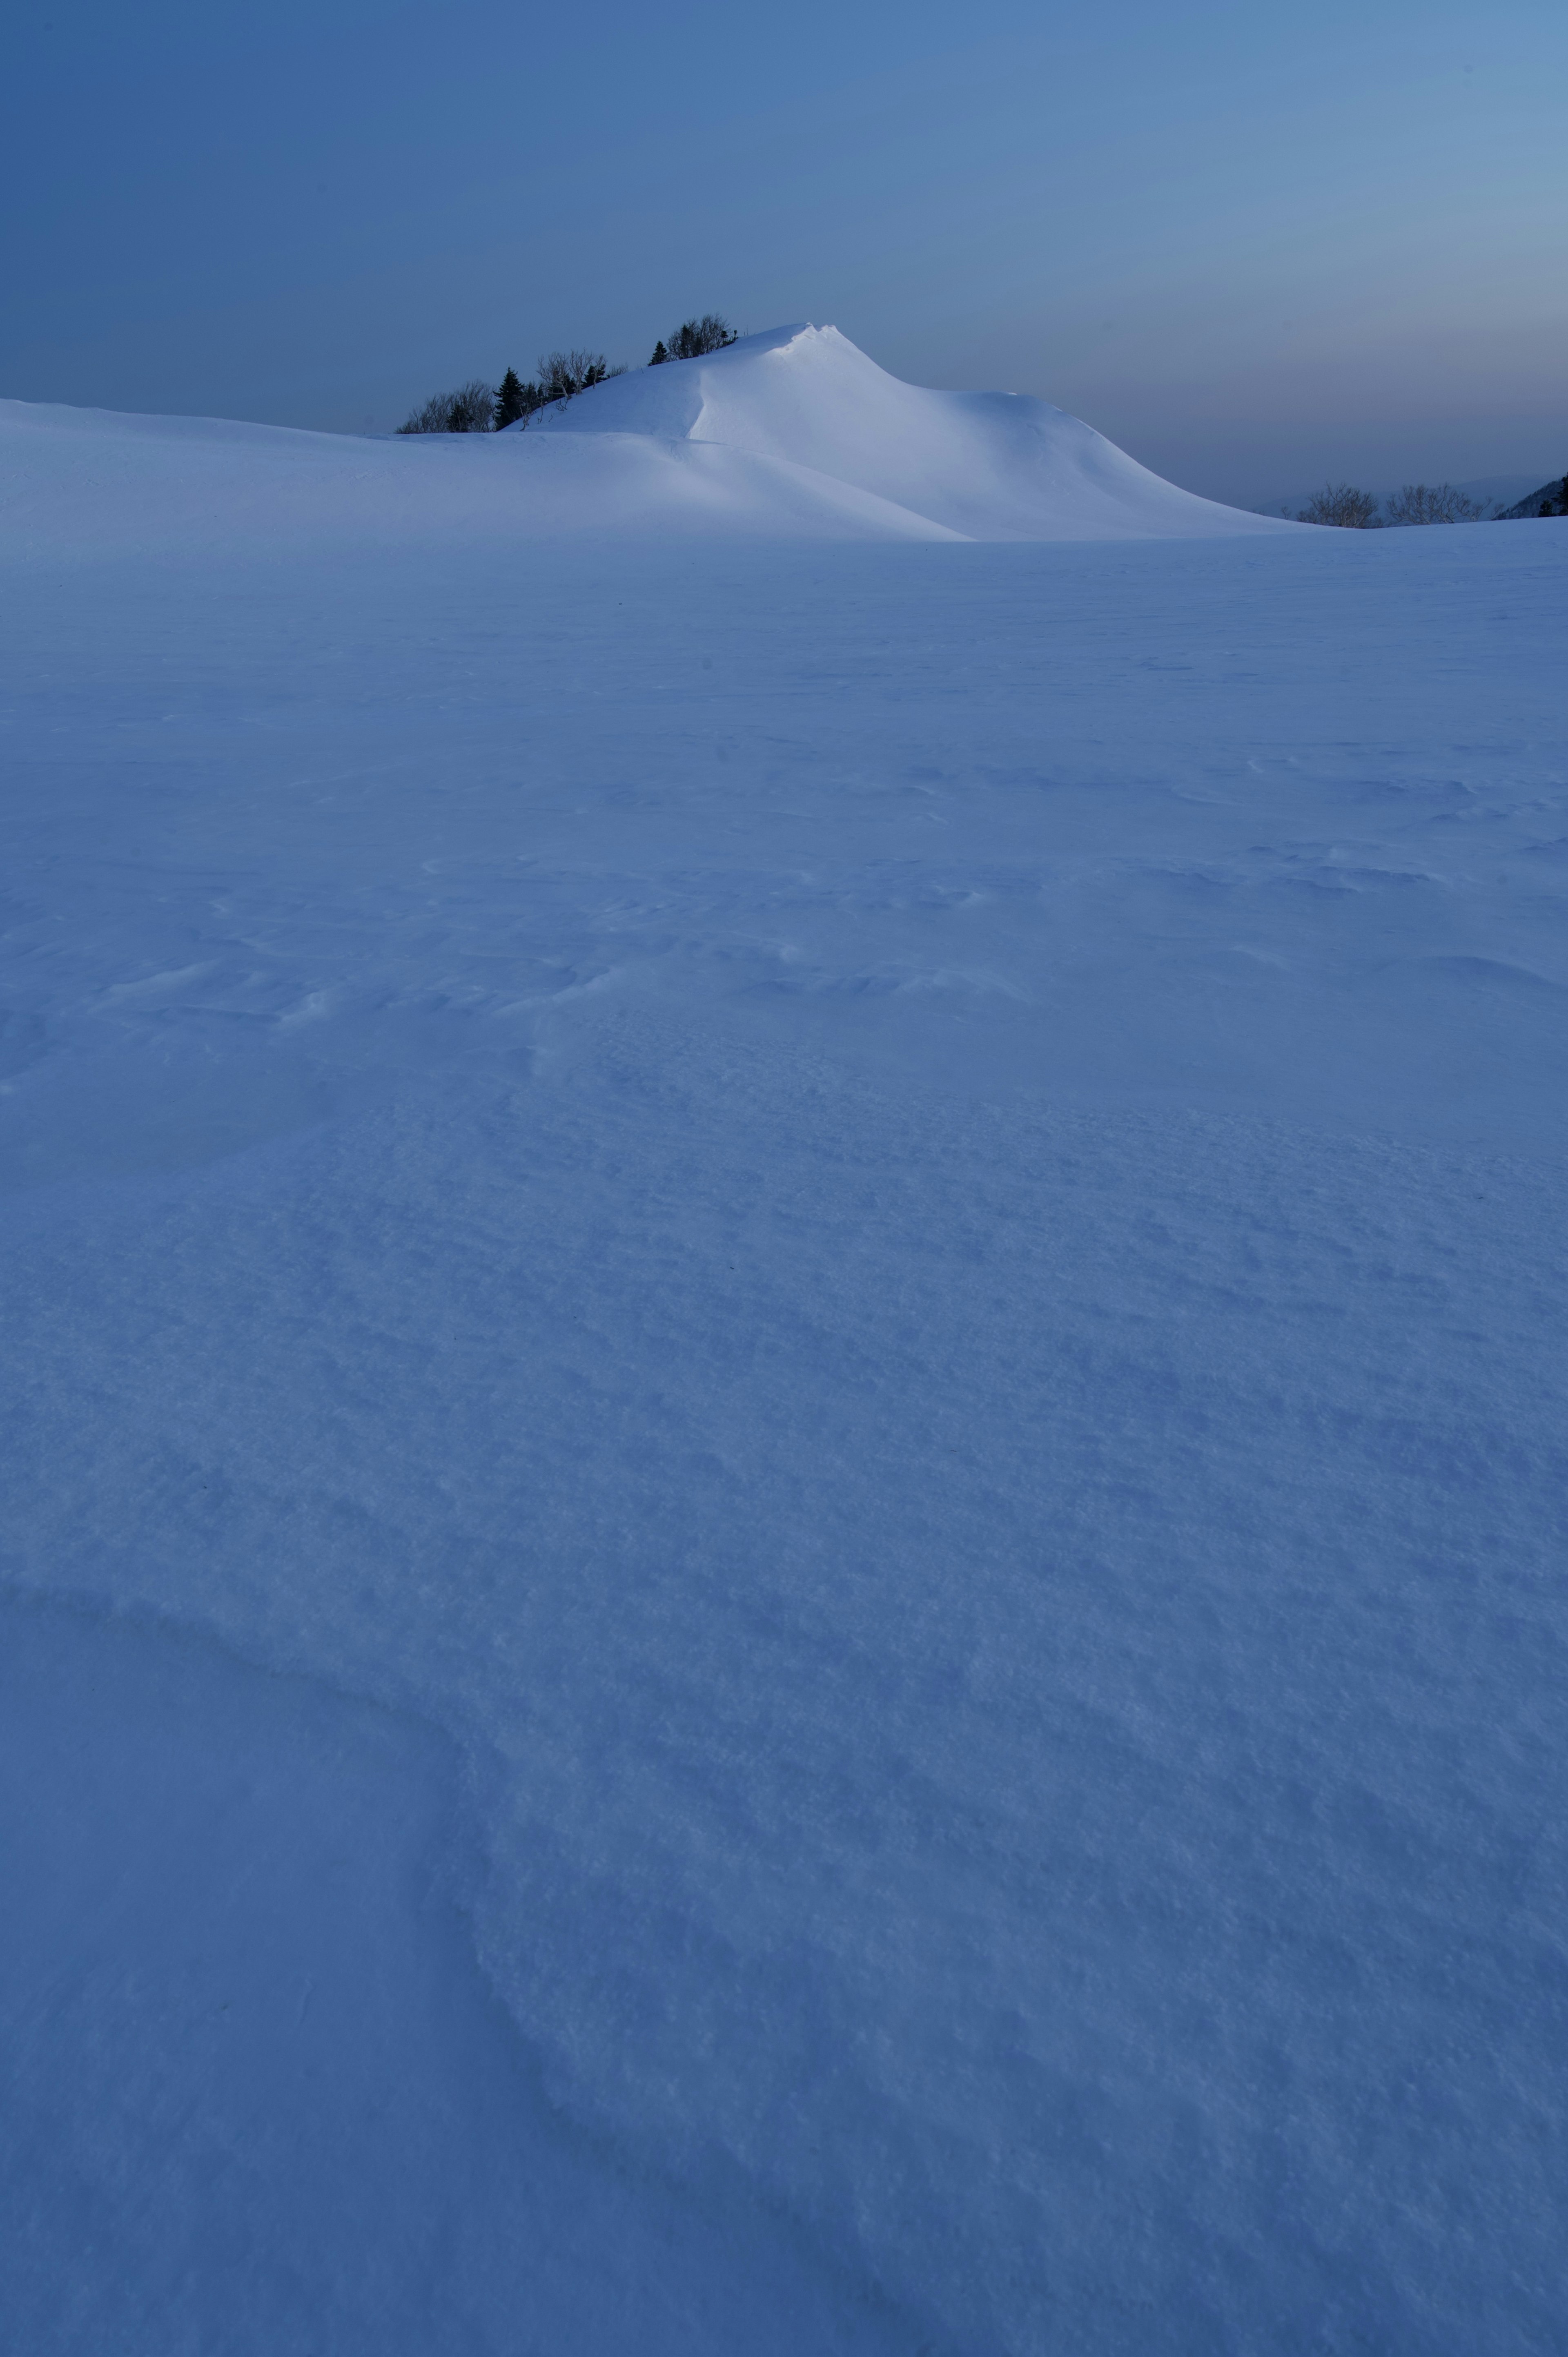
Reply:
x=990, y=465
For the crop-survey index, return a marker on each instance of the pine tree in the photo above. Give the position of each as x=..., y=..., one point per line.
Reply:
x=659, y=354
x=512, y=400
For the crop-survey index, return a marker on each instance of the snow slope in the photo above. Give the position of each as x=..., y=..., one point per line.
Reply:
x=1549, y=495
x=990, y=465
x=785, y=1401
x=82, y=482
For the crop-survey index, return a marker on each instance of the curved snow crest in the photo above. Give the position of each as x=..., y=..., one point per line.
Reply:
x=989, y=466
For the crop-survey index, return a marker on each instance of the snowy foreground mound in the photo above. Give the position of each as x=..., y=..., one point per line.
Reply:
x=785, y=1396
x=791, y=435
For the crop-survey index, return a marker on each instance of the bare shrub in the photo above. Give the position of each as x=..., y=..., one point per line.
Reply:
x=1432, y=504
x=1341, y=504
x=470, y=410
x=563, y=375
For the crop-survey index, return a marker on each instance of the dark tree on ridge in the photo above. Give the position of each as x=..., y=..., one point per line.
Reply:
x=470, y=410
x=563, y=375
x=694, y=339
x=513, y=400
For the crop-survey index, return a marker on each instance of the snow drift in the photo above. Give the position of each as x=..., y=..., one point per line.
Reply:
x=988, y=466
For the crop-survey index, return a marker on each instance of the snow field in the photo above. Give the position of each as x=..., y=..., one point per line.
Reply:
x=787, y=1381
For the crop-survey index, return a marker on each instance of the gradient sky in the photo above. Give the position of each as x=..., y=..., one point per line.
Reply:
x=1256, y=245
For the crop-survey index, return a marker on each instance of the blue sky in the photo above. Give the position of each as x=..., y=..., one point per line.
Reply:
x=1256, y=245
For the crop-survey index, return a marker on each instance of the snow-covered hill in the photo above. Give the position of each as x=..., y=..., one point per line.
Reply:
x=1551, y=498
x=794, y=435
x=781, y=1526
x=990, y=466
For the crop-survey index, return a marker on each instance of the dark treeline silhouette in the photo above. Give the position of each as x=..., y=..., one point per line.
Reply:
x=1432, y=504
x=1343, y=505
x=694, y=339
x=479, y=408
x=470, y=410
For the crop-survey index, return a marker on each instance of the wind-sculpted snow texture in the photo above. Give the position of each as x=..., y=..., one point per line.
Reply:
x=784, y=1407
